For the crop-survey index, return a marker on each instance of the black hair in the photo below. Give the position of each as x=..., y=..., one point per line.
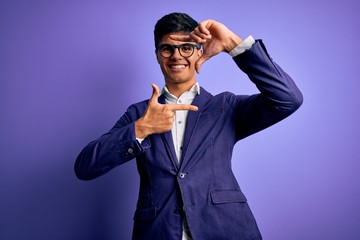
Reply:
x=173, y=22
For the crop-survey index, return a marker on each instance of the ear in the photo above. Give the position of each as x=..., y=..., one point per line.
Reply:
x=157, y=57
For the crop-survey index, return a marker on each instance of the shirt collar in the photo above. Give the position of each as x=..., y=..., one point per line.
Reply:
x=195, y=89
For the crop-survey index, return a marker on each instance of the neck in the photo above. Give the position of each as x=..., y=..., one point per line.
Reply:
x=178, y=89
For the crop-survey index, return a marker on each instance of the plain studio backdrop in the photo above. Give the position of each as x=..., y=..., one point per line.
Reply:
x=69, y=69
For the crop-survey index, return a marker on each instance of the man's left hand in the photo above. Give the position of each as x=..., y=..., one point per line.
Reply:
x=215, y=37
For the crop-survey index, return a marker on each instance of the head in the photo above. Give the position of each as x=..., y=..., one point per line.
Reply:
x=172, y=23
x=176, y=68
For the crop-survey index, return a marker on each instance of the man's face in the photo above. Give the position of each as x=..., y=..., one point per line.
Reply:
x=176, y=68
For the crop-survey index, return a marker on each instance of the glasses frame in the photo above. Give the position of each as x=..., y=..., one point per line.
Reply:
x=173, y=47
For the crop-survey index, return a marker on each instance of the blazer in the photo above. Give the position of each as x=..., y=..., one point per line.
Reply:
x=202, y=187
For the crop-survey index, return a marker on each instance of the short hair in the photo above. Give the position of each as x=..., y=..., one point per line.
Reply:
x=173, y=22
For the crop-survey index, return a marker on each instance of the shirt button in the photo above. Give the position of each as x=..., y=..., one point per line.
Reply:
x=179, y=122
x=180, y=101
x=182, y=175
x=130, y=150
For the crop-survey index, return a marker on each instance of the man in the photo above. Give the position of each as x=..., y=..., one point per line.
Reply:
x=183, y=137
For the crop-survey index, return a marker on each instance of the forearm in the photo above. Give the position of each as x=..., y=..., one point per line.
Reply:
x=279, y=96
x=275, y=85
x=110, y=150
x=114, y=148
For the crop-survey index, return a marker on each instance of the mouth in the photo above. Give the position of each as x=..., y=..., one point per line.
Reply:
x=177, y=67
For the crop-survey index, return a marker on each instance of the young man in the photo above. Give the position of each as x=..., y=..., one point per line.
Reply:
x=183, y=137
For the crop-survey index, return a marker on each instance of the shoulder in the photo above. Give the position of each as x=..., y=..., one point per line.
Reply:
x=219, y=100
x=232, y=101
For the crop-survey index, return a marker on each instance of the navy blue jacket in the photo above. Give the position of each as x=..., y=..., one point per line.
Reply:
x=203, y=186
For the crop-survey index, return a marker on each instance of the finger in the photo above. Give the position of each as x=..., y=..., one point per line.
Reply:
x=205, y=26
x=183, y=38
x=199, y=36
x=191, y=37
x=178, y=107
x=200, y=62
x=155, y=94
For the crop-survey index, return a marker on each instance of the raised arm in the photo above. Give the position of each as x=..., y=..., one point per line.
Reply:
x=279, y=96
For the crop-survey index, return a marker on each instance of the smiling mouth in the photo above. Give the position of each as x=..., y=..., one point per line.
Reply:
x=177, y=66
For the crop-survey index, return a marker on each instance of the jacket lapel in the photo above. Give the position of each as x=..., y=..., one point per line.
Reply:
x=168, y=142
x=192, y=120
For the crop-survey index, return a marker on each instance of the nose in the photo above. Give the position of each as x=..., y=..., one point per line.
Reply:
x=176, y=54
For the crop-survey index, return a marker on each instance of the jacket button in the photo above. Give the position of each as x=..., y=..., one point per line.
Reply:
x=182, y=175
x=130, y=150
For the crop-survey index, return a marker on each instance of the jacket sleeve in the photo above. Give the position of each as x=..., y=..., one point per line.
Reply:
x=112, y=149
x=278, y=98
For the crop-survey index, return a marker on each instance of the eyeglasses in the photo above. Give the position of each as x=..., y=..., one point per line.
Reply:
x=186, y=50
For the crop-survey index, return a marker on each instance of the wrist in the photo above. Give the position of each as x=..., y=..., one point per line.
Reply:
x=232, y=42
x=140, y=129
x=246, y=44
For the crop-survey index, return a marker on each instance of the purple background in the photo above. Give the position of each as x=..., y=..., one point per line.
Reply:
x=69, y=69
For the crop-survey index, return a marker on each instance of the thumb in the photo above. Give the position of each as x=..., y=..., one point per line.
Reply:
x=200, y=62
x=155, y=94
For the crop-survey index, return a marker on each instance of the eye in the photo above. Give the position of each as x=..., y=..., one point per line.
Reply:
x=166, y=48
x=186, y=48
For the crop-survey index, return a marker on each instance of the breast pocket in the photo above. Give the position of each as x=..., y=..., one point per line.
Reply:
x=214, y=114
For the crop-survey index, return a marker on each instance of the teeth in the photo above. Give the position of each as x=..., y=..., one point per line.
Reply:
x=177, y=66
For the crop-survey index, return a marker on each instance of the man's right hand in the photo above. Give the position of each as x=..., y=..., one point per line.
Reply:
x=158, y=118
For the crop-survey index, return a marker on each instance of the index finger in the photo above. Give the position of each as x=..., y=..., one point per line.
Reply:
x=182, y=38
x=178, y=107
x=194, y=36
